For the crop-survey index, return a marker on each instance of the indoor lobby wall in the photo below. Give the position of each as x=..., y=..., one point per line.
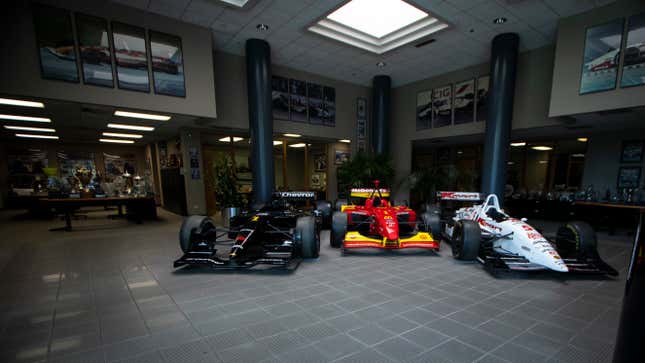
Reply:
x=20, y=68
x=565, y=97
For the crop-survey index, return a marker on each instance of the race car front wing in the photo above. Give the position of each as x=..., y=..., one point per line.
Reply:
x=420, y=240
x=498, y=262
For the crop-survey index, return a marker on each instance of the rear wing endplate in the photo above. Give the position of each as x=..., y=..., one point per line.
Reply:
x=367, y=192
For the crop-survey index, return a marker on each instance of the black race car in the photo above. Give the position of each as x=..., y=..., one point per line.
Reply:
x=278, y=233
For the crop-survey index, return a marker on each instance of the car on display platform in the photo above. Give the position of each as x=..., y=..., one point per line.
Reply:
x=279, y=233
x=378, y=224
x=484, y=232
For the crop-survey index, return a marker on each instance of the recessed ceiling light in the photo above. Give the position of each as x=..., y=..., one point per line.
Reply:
x=127, y=136
x=347, y=141
x=34, y=136
x=12, y=102
x=381, y=64
x=130, y=127
x=262, y=27
x=26, y=128
x=583, y=139
x=25, y=118
x=541, y=148
x=500, y=20
x=510, y=163
x=543, y=161
x=377, y=25
x=277, y=142
x=145, y=116
x=298, y=145
x=292, y=135
x=516, y=144
x=117, y=141
x=228, y=139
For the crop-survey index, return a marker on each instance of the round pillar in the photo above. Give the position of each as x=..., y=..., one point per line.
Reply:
x=381, y=86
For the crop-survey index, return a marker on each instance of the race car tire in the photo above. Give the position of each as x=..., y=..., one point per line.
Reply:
x=324, y=207
x=576, y=240
x=465, y=241
x=338, y=229
x=339, y=204
x=191, y=225
x=308, y=242
x=431, y=224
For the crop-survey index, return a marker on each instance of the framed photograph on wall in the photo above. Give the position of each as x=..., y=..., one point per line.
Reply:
x=280, y=97
x=632, y=151
x=315, y=103
x=55, y=42
x=320, y=162
x=464, y=102
x=131, y=54
x=442, y=106
x=601, y=57
x=361, y=129
x=634, y=62
x=482, y=98
x=298, y=100
x=341, y=156
x=424, y=110
x=361, y=108
x=329, y=106
x=629, y=176
x=94, y=47
x=167, y=64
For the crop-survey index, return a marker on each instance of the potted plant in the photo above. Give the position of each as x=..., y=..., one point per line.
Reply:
x=362, y=169
x=227, y=197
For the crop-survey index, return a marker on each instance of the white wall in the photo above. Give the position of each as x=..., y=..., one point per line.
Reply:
x=20, y=69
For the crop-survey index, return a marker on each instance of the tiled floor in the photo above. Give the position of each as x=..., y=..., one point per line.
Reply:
x=108, y=292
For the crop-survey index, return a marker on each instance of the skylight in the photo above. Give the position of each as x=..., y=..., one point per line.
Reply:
x=238, y=3
x=377, y=25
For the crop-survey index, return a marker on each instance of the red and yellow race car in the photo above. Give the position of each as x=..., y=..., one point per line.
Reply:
x=378, y=224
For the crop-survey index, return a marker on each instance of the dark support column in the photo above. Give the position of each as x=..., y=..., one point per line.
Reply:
x=503, y=66
x=258, y=82
x=380, y=114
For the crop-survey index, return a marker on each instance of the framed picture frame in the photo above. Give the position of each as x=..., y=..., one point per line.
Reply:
x=341, y=156
x=629, y=177
x=315, y=103
x=632, y=151
x=464, y=102
x=320, y=162
x=167, y=64
x=361, y=108
x=601, y=57
x=329, y=106
x=634, y=55
x=424, y=110
x=442, y=106
x=280, y=97
x=298, y=100
x=131, y=57
x=57, y=50
x=481, y=106
x=95, y=51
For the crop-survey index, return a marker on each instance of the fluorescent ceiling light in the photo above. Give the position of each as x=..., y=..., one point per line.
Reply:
x=145, y=116
x=543, y=162
x=516, y=144
x=117, y=141
x=277, y=142
x=347, y=141
x=130, y=127
x=238, y=3
x=26, y=128
x=34, y=136
x=126, y=136
x=292, y=135
x=578, y=155
x=12, y=102
x=25, y=118
x=583, y=139
x=298, y=145
x=377, y=25
x=228, y=139
x=542, y=148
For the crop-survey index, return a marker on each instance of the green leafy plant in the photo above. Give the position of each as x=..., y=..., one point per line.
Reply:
x=362, y=169
x=225, y=182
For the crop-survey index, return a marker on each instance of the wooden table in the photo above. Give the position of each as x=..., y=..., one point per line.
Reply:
x=629, y=207
x=137, y=208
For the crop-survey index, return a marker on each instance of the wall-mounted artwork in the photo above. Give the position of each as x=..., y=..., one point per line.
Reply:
x=94, y=46
x=632, y=152
x=482, y=97
x=320, y=162
x=329, y=104
x=298, y=100
x=167, y=64
x=361, y=108
x=601, y=57
x=634, y=62
x=464, y=102
x=131, y=56
x=341, y=156
x=55, y=41
x=424, y=109
x=442, y=106
x=280, y=97
x=629, y=177
x=315, y=103
x=117, y=165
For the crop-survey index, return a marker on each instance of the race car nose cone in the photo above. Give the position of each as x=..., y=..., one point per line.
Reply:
x=559, y=267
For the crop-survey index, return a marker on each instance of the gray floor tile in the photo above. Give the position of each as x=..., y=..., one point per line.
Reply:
x=480, y=340
x=317, y=331
x=365, y=356
x=283, y=342
x=397, y=324
x=338, y=346
x=196, y=351
x=457, y=351
x=306, y=354
x=229, y=339
x=370, y=334
x=538, y=343
x=129, y=348
x=516, y=353
x=251, y=352
x=425, y=337
x=399, y=349
x=149, y=357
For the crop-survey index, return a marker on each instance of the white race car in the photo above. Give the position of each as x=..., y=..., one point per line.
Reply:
x=486, y=233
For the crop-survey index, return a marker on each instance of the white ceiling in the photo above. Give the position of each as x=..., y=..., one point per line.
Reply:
x=293, y=46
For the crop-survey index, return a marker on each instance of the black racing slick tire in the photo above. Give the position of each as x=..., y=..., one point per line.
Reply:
x=432, y=224
x=308, y=239
x=338, y=229
x=466, y=237
x=324, y=207
x=576, y=240
x=190, y=226
x=339, y=204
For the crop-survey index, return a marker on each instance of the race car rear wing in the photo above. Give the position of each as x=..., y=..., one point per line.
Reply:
x=295, y=195
x=461, y=196
x=367, y=192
